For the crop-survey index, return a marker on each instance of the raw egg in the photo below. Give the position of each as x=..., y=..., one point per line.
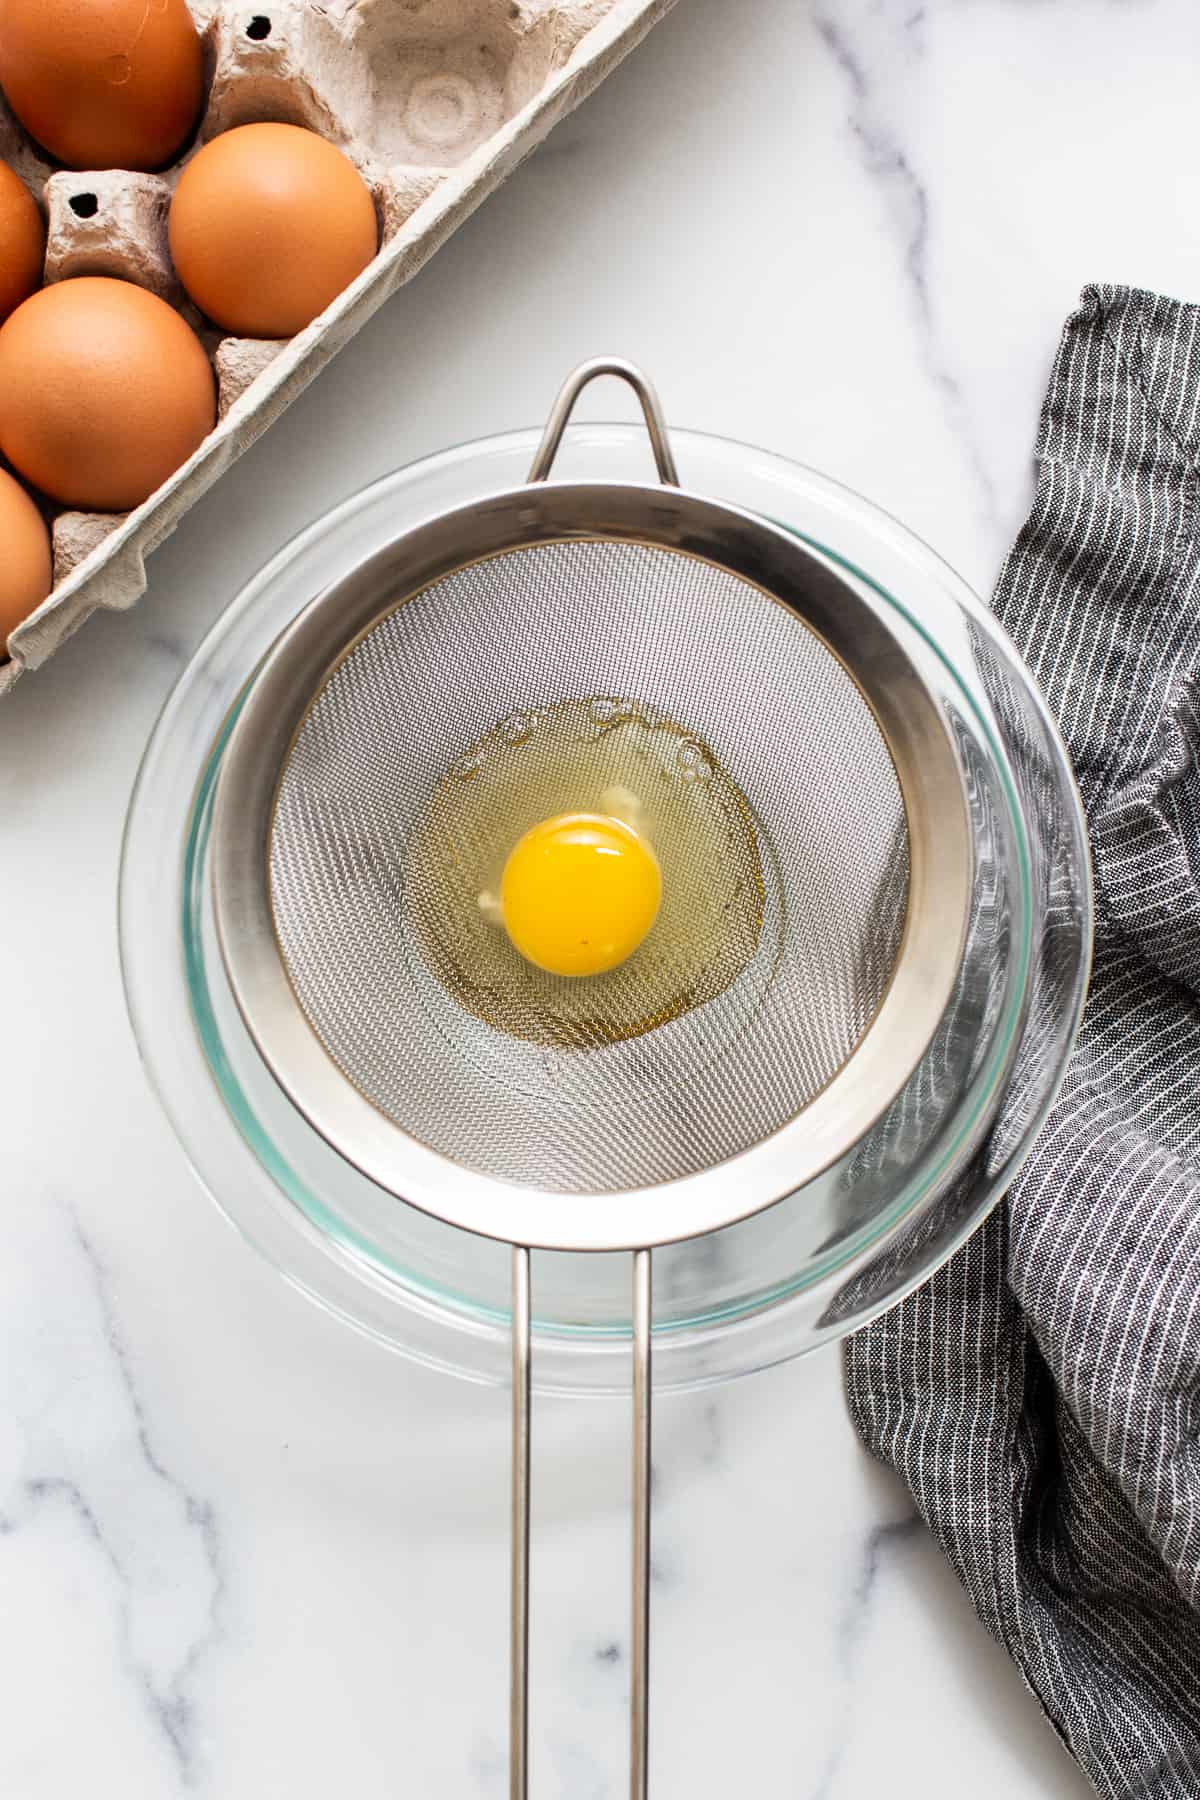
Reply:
x=585, y=872
x=267, y=225
x=103, y=84
x=104, y=391
x=25, y=560
x=579, y=893
x=22, y=242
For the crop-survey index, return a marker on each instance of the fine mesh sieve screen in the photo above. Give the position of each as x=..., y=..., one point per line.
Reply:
x=824, y=824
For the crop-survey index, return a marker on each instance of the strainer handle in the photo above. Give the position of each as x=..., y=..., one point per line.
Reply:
x=571, y=389
x=518, y=1723
x=639, y=1708
x=639, y=1690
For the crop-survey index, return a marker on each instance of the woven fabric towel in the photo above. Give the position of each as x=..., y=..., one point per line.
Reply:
x=1041, y=1395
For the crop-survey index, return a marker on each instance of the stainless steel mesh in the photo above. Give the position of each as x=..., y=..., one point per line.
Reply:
x=783, y=719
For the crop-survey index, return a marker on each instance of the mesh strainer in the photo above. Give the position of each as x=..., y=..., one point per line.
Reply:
x=857, y=820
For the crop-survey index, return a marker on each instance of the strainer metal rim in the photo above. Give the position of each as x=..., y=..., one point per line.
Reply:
x=788, y=572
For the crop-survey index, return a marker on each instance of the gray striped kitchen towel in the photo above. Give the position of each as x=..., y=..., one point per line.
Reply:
x=1041, y=1394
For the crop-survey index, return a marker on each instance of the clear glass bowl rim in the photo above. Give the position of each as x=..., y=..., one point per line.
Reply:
x=777, y=1300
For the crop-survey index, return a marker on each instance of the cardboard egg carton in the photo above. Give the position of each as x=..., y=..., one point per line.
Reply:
x=435, y=101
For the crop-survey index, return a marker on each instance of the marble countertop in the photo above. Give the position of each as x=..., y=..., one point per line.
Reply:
x=244, y=1554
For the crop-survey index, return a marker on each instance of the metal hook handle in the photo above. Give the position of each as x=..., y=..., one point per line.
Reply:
x=565, y=405
x=639, y=1697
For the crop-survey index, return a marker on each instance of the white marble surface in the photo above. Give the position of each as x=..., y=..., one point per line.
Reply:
x=244, y=1554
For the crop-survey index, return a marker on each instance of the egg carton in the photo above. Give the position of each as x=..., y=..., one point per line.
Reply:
x=435, y=101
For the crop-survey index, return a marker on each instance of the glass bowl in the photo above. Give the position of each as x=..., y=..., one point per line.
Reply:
x=834, y=1253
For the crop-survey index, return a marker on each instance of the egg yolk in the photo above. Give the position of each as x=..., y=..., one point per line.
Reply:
x=579, y=893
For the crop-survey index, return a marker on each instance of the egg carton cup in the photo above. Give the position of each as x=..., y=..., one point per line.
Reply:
x=434, y=101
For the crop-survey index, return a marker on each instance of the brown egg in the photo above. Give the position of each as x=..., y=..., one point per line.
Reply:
x=268, y=224
x=104, y=391
x=22, y=242
x=103, y=84
x=25, y=564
